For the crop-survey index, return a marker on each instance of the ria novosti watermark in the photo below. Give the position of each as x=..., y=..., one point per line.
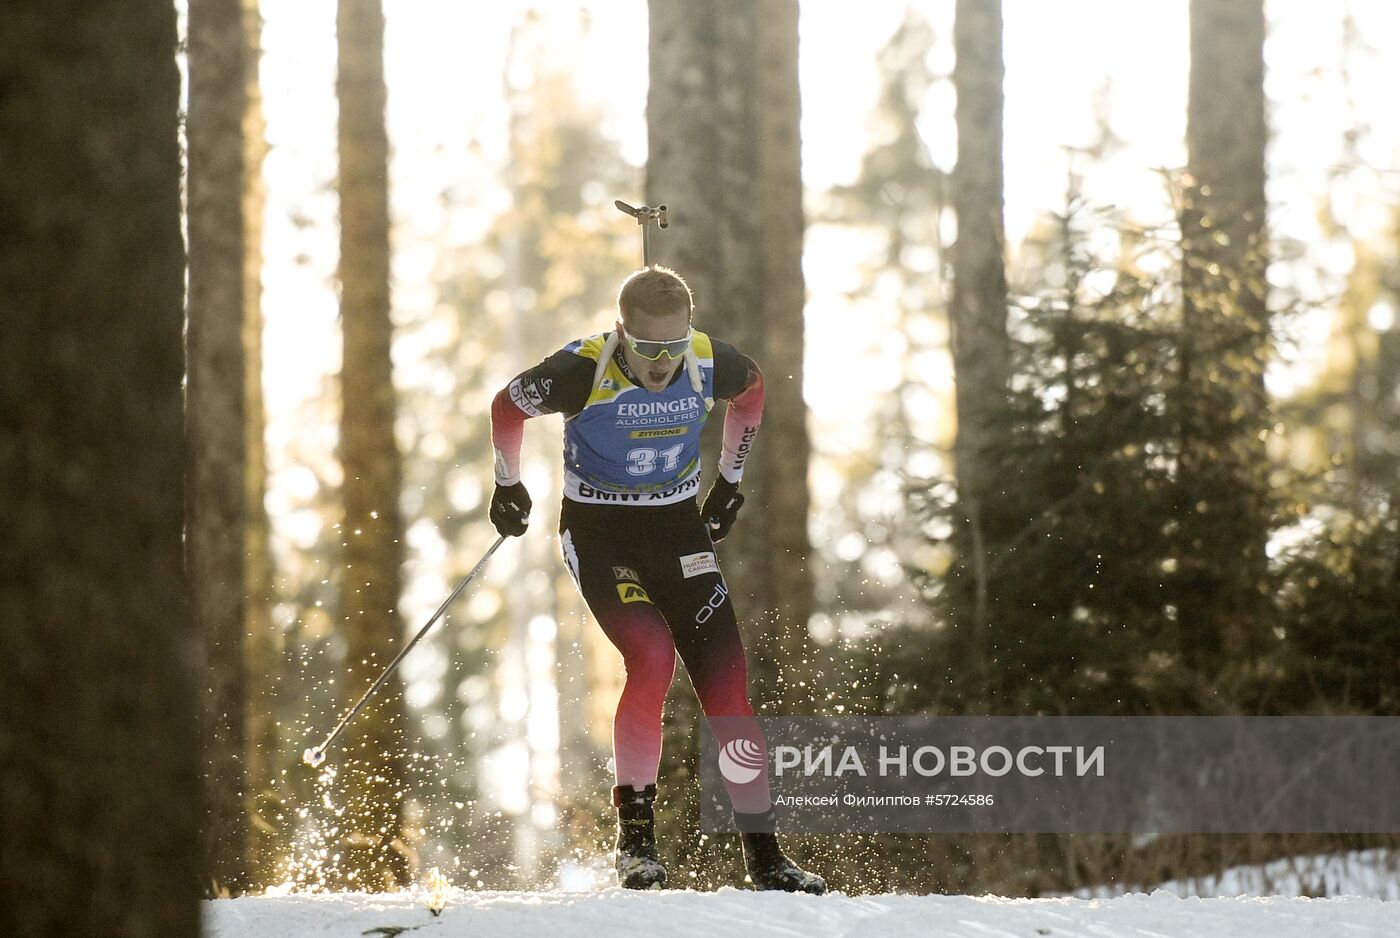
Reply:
x=1031, y=774
x=930, y=761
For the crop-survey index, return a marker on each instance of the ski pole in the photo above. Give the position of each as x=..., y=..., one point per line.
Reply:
x=645, y=216
x=315, y=755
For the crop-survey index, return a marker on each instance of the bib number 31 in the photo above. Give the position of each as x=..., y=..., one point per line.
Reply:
x=642, y=460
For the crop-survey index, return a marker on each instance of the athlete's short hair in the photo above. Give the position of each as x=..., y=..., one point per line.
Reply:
x=653, y=291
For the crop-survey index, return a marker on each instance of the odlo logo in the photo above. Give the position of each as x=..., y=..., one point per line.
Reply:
x=715, y=602
x=741, y=761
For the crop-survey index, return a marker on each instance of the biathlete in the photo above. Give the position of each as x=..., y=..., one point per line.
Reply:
x=634, y=401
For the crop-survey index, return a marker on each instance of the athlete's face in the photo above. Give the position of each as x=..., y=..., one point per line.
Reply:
x=654, y=375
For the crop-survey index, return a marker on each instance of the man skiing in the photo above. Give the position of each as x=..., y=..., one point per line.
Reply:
x=634, y=401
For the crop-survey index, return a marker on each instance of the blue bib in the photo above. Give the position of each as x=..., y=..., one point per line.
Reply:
x=633, y=446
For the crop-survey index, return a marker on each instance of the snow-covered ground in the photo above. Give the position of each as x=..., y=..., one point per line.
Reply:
x=746, y=914
x=1374, y=873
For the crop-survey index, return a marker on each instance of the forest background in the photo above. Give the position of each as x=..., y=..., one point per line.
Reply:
x=1078, y=319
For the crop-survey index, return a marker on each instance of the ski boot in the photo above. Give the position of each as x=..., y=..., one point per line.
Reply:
x=768, y=866
x=638, y=864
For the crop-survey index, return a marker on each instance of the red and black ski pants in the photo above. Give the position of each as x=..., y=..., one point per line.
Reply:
x=650, y=577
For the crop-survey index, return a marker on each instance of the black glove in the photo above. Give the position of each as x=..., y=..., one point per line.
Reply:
x=721, y=508
x=510, y=509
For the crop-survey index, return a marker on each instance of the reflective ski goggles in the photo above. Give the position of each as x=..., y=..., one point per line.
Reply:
x=653, y=350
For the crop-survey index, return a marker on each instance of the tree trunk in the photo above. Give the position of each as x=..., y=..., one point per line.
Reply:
x=215, y=422
x=724, y=155
x=786, y=448
x=722, y=121
x=372, y=528
x=1224, y=342
x=99, y=741
x=977, y=318
x=263, y=646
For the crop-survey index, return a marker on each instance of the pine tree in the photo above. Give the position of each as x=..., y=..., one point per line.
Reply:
x=267, y=752
x=784, y=456
x=722, y=153
x=977, y=316
x=372, y=526
x=1224, y=345
x=216, y=420
x=99, y=741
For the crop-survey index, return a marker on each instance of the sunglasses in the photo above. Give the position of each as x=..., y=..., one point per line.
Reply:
x=653, y=350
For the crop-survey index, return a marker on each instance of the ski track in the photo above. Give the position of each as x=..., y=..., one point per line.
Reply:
x=747, y=914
